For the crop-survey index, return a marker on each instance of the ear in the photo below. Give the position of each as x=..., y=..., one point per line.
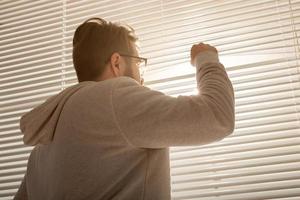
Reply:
x=115, y=65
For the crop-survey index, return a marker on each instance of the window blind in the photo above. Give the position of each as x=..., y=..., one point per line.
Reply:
x=258, y=42
x=31, y=55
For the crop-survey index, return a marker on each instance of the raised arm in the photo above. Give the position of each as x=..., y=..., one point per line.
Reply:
x=151, y=119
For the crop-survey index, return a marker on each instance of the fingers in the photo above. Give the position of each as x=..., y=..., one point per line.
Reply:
x=201, y=47
x=196, y=48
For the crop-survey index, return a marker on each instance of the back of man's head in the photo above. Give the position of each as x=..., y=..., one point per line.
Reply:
x=94, y=42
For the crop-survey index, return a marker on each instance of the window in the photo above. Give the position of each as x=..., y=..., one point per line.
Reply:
x=259, y=45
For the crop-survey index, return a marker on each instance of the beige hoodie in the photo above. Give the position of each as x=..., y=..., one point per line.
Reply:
x=110, y=139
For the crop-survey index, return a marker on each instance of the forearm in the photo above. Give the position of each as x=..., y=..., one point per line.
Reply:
x=216, y=88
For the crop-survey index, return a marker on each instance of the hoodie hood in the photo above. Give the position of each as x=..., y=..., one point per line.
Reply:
x=38, y=125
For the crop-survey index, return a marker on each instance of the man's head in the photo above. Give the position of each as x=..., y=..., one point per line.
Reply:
x=104, y=50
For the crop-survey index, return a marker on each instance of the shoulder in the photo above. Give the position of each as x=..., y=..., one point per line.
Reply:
x=115, y=82
x=107, y=84
x=125, y=83
x=125, y=80
x=106, y=88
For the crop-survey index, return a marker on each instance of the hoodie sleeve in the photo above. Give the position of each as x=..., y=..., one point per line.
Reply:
x=151, y=119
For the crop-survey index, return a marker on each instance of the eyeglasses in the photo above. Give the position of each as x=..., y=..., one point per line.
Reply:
x=142, y=63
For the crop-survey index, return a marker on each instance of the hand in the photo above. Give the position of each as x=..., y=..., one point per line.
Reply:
x=198, y=48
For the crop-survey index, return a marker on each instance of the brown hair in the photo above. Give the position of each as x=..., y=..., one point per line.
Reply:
x=95, y=40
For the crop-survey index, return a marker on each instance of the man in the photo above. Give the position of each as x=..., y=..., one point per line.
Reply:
x=107, y=137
